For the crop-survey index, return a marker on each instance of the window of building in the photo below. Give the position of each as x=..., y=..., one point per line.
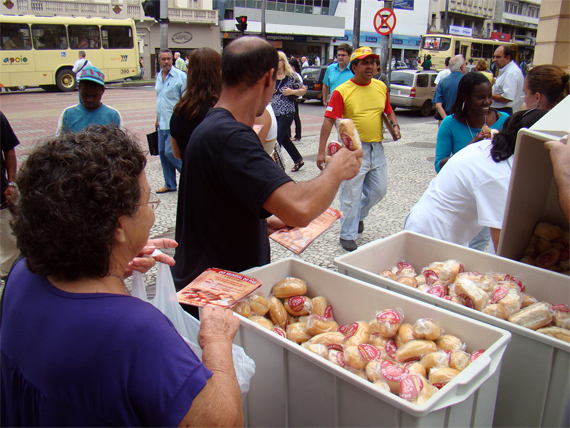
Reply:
x=47, y=36
x=116, y=37
x=84, y=36
x=15, y=36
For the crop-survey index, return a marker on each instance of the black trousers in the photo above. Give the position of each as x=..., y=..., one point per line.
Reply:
x=297, y=120
x=283, y=136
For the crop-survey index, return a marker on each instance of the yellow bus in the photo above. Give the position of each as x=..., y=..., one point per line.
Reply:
x=441, y=46
x=41, y=51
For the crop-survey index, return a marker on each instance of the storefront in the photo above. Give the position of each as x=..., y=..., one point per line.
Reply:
x=402, y=46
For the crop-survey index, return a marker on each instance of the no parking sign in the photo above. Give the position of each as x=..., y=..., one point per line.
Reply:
x=384, y=21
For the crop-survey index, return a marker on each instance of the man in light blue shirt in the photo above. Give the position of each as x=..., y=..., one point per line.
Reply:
x=337, y=73
x=170, y=83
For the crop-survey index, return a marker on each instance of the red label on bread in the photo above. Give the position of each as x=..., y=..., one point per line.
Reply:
x=561, y=308
x=347, y=141
x=334, y=346
x=333, y=147
x=499, y=294
x=447, y=298
x=390, y=316
x=340, y=359
x=348, y=330
x=461, y=268
x=297, y=303
x=438, y=385
x=329, y=312
x=391, y=348
x=436, y=290
x=410, y=386
x=430, y=276
x=320, y=318
x=279, y=332
x=404, y=266
x=369, y=352
x=467, y=300
x=517, y=281
x=564, y=255
x=391, y=371
x=476, y=355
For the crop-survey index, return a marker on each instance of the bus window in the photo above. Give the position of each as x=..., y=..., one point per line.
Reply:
x=436, y=43
x=84, y=36
x=488, y=51
x=115, y=37
x=457, y=47
x=47, y=36
x=476, y=50
x=15, y=36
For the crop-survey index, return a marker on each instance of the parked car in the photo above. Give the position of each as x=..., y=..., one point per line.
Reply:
x=399, y=65
x=313, y=79
x=413, y=89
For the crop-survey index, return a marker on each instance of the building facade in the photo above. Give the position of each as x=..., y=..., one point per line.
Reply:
x=474, y=15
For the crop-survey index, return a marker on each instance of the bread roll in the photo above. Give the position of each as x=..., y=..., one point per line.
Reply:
x=405, y=334
x=388, y=274
x=405, y=269
x=330, y=340
x=262, y=321
x=349, y=134
x=420, y=279
x=389, y=321
x=382, y=384
x=426, y=328
x=437, y=289
x=416, y=389
x=442, y=376
x=290, y=287
x=302, y=318
x=392, y=373
x=298, y=332
x=319, y=306
x=280, y=332
x=528, y=300
x=359, y=356
x=360, y=373
x=497, y=310
x=548, y=231
x=534, y=316
x=431, y=275
x=317, y=324
x=277, y=312
x=435, y=359
x=472, y=295
x=415, y=367
x=298, y=305
x=414, y=350
x=410, y=282
x=556, y=332
x=259, y=305
x=484, y=282
x=459, y=360
x=548, y=259
x=373, y=371
x=243, y=308
x=356, y=334
x=561, y=316
x=333, y=147
x=449, y=271
x=320, y=350
x=448, y=342
x=337, y=357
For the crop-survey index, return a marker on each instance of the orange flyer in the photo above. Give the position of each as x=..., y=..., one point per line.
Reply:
x=297, y=239
x=218, y=287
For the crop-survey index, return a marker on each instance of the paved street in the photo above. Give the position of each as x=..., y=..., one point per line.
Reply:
x=34, y=115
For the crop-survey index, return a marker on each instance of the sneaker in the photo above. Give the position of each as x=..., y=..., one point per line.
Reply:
x=165, y=189
x=360, y=226
x=348, y=244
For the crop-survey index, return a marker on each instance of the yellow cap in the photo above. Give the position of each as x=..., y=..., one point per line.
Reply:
x=362, y=52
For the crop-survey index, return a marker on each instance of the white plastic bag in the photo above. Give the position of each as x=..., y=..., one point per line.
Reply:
x=166, y=301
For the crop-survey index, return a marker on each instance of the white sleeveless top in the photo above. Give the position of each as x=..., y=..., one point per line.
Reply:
x=271, y=138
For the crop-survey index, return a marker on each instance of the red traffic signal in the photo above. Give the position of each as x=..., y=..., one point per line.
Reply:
x=241, y=23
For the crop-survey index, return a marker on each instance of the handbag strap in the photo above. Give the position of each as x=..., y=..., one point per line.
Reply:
x=83, y=66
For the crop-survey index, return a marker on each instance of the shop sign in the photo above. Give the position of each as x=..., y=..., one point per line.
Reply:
x=404, y=4
x=344, y=38
x=182, y=37
x=397, y=42
x=461, y=31
x=371, y=39
x=504, y=37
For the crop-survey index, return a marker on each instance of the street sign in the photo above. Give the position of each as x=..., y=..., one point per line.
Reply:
x=384, y=21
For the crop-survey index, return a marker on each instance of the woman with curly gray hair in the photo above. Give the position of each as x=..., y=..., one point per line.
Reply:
x=77, y=350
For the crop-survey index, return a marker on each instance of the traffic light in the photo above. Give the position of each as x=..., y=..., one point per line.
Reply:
x=241, y=23
x=152, y=8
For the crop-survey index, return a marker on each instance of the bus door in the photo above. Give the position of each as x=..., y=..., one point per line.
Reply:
x=17, y=62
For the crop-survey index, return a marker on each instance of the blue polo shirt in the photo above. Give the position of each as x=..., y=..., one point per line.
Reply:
x=446, y=91
x=334, y=77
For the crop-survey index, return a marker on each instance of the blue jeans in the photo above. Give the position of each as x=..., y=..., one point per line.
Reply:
x=481, y=240
x=169, y=163
x=359, y=195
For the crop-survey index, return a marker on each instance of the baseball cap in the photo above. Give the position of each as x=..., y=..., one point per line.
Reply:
x=92, y=74
x=362, y=52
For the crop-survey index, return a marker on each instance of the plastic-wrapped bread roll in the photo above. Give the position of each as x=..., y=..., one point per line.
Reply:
x=528, y=300
x=534, y=316
x=416, y=389
x=359, y=356
x=298, y=305
x=331, y=339
x=357, y=372
x=391, y=373
x=556, y=332
x=415, y=367
x=262, y=321
x=509, y=296
x=333, y=147
x=259, y=305
x=410, y=282
x=548, y=231
x=280, y=332
x=497, y=310
x=472, y=295
x=404, y=269
x=440, y=377
x=382, y=384
x=449, y=271
x=319, y=305
x=389, y=274
x=561, y=316
x=317, y=324
x=320, y=350
x=277, y=312
x=337, y=357
x=447, y=342
x=389, y=321
x=289, y=287
x=435, y=359
x=414, y=350
x=459, y=360
x=373, y=371
x=356, y=333
x=298, y=332
x=349, y=134
x=426, y=328
x=243, y=308
x=405, y=334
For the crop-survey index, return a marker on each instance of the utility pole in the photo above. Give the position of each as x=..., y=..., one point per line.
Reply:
x=445, y=26
x=263, y=9
x=356, y=25
x=163, y=24
x=386, y=47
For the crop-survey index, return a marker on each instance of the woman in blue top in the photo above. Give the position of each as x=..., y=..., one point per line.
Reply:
x=471, y=112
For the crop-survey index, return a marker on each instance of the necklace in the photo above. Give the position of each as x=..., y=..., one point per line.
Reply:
x=469, y=126
x=120, y=279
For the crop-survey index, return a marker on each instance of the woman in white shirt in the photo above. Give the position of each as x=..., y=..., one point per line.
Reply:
x=471, y=191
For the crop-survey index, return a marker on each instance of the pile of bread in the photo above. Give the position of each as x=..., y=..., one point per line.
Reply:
x=548, y=249
x=410, y=360
x=496, y=294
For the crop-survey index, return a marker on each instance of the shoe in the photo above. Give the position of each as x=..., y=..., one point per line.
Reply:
x=348, y=244
x=165, y=189
x=296, y=139
x=298, y=166
x=360, y=226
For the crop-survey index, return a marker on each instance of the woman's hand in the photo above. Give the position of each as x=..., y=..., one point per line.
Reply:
x=143, y=262
x=218, y=325
x=479, y=137
x=288, y=91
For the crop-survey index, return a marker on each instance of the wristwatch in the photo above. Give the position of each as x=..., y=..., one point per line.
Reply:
x=13, y=184
x=394, y=125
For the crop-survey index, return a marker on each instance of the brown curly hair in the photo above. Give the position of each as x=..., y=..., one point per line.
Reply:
x=73, y=189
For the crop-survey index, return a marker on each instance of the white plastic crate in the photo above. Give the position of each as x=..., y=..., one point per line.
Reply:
x=295, y=387
x=535, y=374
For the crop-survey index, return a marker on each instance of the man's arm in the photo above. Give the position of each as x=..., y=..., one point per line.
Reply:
x=11, y=166
x=325, y=133
x=560, y=156
x=325, y=94
x=495, y=235
x=297, y=204
x=394, y=122
x=440, y=109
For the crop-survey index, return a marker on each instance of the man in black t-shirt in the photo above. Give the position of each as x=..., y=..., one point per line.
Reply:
x=230, y=187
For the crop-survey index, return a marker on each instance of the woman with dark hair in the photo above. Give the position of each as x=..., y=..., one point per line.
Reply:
x=203, y=87
x=545, y=86
x=426, y=65
x=471, y=191
x=472, y=118
x=287, y=89
x=77, y=350
x=297, y=68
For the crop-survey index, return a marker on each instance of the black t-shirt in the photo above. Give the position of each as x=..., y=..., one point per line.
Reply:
x=8, y=141
x=226, y=179
x=182, y=129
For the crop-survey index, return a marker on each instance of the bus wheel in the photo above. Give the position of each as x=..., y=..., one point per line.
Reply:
x=65, y=80
x=426, y=108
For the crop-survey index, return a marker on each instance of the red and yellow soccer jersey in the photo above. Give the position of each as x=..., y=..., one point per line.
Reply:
x=364, y=104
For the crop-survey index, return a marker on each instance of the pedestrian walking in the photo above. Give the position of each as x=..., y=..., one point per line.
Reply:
x=446, y=91
x=142, y=67
x=81, y=63
x=508, y=88
x=337, y=73
x=170, y=83
x=295, y=66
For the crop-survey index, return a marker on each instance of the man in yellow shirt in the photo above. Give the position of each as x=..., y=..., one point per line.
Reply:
x=364, y=100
